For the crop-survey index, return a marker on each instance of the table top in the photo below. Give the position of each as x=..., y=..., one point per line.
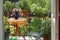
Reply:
x=19, y=21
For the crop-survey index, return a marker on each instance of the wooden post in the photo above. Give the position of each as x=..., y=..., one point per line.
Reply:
x=59, y=15
x=17, y=30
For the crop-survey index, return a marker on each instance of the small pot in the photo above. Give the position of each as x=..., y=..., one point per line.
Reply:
x=44, y=37
x=25, y=12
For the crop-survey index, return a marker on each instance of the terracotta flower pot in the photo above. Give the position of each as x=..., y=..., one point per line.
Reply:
x=25, y=12
x=45, y=37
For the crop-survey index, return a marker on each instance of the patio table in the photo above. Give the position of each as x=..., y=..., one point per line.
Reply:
x=18, y=23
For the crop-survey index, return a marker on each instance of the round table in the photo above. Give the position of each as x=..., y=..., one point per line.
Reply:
x=18, y=23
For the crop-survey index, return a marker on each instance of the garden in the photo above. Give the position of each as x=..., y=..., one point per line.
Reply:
x=27, y=18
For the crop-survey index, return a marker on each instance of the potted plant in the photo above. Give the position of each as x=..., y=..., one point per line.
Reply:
x=46, y=33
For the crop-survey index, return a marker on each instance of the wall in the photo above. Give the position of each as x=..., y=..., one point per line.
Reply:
x=54, y=21
x=1, y=27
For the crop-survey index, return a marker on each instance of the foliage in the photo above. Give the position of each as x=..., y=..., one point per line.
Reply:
x=35, y=24
x=41, y=25
x=7, y=6
x=39, y=7
x=13, y=0
x=46, y=24
x=36, y=7
x=23, y=4
x=5, y=24
x=24, y=30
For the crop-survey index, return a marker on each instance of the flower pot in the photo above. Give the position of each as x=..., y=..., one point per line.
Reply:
x=45, y=37
x=25, y=12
